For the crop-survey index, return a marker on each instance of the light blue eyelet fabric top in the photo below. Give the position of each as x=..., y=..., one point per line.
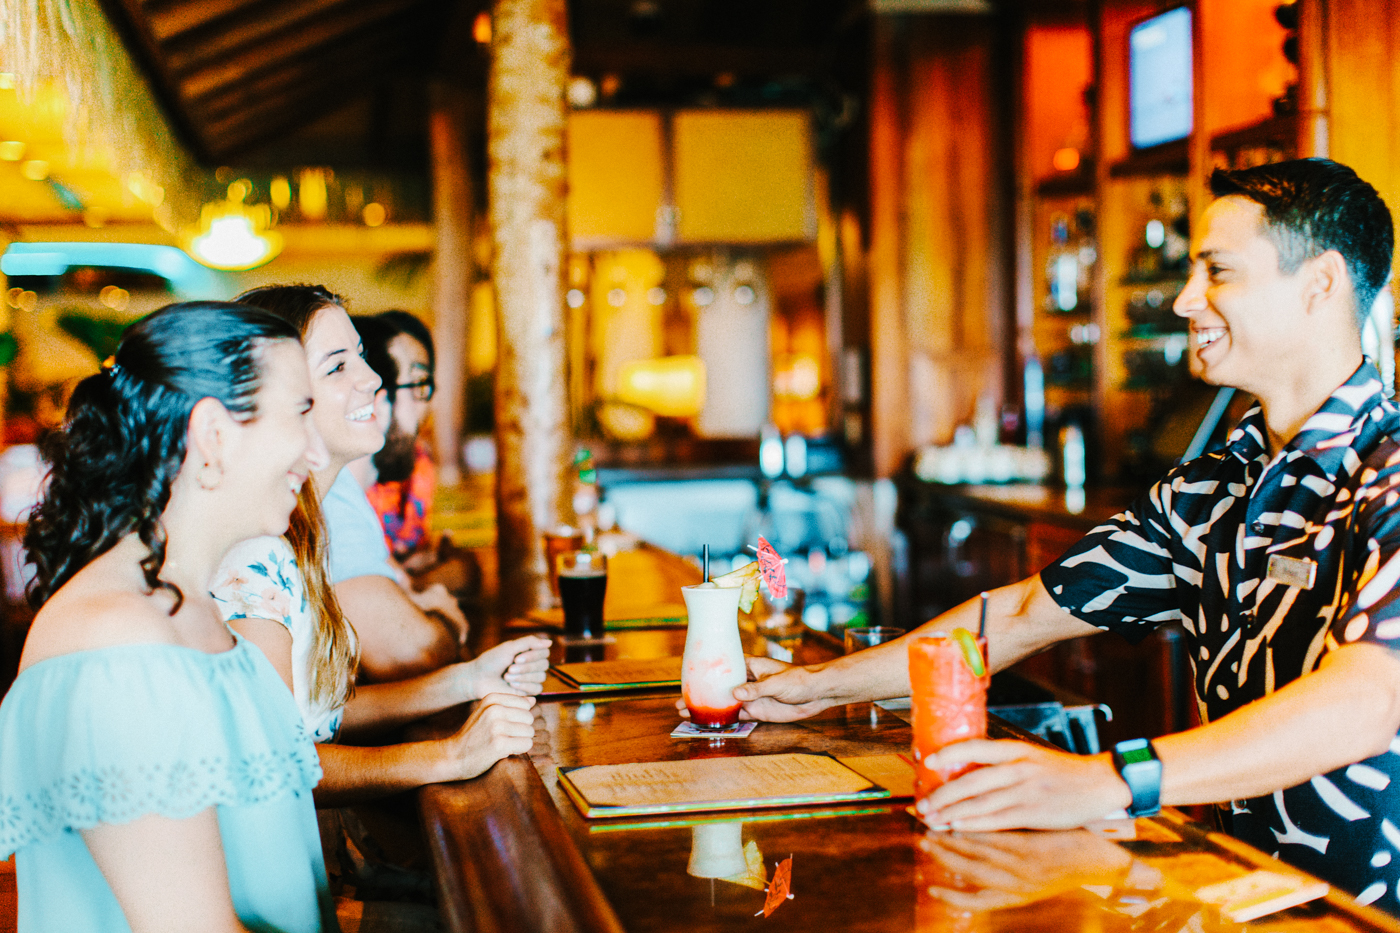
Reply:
x=112, y=734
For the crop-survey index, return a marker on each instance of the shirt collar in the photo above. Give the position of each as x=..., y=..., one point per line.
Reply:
x=1351, y=417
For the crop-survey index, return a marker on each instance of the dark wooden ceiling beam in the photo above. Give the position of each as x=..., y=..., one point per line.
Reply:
x=666, y=59
x=378, y=48
x=255, y=24
x=268, y=56
x=243, y=131
x=168, y=20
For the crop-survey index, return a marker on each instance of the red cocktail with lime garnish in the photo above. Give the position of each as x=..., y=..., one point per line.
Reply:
x=948, y=680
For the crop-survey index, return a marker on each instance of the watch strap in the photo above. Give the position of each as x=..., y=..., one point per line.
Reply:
x=1138, y=765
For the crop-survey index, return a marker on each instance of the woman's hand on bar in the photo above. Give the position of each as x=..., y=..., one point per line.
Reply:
x=1023, y=786
x=516, y=666
x=502, y=725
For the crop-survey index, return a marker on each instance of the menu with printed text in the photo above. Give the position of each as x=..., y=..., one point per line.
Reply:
x=744, y=782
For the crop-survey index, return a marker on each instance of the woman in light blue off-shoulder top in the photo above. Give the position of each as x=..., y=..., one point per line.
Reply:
x=154, y=772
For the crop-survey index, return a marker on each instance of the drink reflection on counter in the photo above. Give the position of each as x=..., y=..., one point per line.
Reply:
x=718, y=852
x=587, y=651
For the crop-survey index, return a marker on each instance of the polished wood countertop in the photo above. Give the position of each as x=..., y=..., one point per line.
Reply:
x=512, y=853
x=1054, y=505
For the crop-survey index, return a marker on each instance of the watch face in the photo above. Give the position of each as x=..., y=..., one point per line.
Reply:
x=1134, y=756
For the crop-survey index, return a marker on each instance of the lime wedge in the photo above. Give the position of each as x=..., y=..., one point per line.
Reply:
x=972, y=654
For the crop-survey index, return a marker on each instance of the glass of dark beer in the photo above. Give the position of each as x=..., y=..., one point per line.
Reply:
x=583, y=581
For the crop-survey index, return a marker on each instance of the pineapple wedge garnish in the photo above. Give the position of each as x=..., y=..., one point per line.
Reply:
x=746, y=576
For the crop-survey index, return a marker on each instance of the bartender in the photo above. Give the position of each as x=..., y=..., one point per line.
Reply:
x=1277, y=554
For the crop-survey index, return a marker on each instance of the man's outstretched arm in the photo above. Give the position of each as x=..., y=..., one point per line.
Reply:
x=1345, y=711
x=1021, y=619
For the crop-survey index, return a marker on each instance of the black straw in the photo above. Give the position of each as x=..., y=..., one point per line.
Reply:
x=705, y=560
x=982, y=621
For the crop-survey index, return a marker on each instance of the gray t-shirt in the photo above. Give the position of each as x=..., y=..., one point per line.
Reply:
x=356, y=539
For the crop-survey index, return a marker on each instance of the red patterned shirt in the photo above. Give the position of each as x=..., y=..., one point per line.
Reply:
x=403, y=508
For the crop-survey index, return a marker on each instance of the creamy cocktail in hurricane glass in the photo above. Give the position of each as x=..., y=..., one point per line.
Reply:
x=713, y=664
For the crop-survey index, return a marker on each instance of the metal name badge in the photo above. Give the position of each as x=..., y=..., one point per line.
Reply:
x=1293, y=571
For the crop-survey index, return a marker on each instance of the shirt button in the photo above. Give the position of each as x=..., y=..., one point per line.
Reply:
x=1258, y=527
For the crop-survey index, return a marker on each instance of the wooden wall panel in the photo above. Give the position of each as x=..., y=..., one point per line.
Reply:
x=1243, y=60
x=453, y=272
x=1116, y=18
x=947, y=273
x=936, y=280
x=1363, y=52
x=1058, y=69
x=889, y=353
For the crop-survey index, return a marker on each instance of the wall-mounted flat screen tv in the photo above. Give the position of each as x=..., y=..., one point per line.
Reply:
x=1159, y=76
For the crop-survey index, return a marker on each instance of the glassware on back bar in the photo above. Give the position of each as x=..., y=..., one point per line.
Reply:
x=858, y=639
x=561, y=539
x=713, y=664
x=583, y=582
x=949, y=703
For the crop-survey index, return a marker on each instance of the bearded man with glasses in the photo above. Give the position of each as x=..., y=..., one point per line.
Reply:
x=401, y=478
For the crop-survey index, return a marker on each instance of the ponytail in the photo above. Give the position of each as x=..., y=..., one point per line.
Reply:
x=113, y=463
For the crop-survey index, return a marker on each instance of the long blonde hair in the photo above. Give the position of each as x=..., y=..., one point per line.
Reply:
x=335, y=648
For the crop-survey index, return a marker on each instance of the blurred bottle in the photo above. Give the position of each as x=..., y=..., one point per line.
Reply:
x=1074, y=456
x=585, y=500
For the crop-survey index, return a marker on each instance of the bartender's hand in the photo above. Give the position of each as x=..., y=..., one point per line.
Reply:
x=775, y=692
x=516, y=666
x=1023, y=787
x=779, y=692
x=992, y=871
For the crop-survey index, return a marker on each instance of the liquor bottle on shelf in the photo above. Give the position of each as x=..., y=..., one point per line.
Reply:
x=1070, y=262
x=1164, y=245
x=585, y=496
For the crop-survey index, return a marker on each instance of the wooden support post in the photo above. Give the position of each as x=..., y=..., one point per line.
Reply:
x=1313, y=129
x=889, y=345
x=452, y=272
x=938, y=253
x=526, y=131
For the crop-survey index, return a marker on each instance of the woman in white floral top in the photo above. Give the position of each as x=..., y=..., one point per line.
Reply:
x=259, y=579
x=273, y=591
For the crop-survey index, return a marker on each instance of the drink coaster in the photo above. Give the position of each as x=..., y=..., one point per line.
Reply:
x=689, y=730
x=585, y=640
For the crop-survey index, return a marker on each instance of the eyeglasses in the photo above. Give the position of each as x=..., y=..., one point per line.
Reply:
x=422, y=391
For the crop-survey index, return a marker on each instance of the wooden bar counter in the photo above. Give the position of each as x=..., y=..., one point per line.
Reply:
x=512, y=853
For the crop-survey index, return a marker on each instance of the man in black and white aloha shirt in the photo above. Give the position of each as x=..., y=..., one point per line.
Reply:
x=1279, y=554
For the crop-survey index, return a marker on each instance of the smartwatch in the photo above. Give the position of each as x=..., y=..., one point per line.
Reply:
x=1138, y=765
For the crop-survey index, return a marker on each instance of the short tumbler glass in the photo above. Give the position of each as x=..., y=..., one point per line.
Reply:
x=858, y=639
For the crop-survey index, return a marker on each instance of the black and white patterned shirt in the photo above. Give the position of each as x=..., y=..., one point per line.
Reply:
x=1268, y=565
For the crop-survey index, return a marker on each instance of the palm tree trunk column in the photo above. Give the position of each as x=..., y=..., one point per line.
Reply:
x=525, y=125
